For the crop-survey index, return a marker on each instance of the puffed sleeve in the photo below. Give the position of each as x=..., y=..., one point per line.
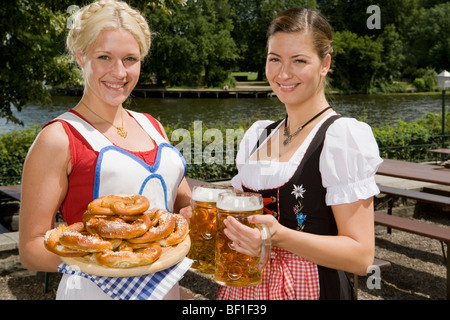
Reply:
x=245, y=148
x=348, y=163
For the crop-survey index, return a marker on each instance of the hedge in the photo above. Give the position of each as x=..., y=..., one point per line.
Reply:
x=405, y=141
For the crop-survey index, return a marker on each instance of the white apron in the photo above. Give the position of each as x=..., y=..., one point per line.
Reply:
x=120, y=172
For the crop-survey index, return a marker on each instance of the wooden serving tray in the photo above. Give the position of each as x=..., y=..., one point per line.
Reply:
x=169, y=257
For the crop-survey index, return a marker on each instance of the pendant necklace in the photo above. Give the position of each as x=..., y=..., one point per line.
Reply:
x=290, y=136
x=120, y=130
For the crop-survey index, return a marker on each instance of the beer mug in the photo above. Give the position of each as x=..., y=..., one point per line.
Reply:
x=234, y=268
x=203, y=226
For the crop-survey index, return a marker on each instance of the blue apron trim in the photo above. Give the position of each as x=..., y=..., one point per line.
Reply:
x=145, y=165
x=163, y=184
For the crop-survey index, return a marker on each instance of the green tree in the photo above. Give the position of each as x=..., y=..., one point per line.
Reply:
x=392, y=57
x=429, y=38
x=251, y=18
x=357, y=61
x=31, y=36
x=33, y=55
x=193, y=46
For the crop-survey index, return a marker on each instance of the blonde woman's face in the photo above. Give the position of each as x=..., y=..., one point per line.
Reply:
x=293, y=67
x=111, y=66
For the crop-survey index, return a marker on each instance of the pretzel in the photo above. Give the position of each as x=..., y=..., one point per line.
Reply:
x=179, y=234
x=116, y=233
x=127, y=258
x=112, y=227
x=119, y=205
x=127, y=245
x=52, y=243
x=73, y=238
x=165, y=226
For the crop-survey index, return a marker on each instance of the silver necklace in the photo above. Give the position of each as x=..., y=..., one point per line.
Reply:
x=290, y=136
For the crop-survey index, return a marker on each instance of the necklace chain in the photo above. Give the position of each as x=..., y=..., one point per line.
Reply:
x=290, y=136
x=120, y=130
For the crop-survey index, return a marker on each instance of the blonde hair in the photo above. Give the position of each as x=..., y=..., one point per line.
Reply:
x=101, y=15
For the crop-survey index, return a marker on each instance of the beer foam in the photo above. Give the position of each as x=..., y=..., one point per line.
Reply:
x=205, y=194
x=239, y=204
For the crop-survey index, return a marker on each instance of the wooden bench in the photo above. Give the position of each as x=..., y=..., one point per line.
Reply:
x=8, y=193
x=415, y=195
x=411, y=194
x=424, y=229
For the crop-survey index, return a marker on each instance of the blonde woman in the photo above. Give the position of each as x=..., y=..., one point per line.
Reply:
x=98, y=148
x=315, y=170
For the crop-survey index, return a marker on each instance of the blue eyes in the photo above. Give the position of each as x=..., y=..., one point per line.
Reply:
x=128, y=59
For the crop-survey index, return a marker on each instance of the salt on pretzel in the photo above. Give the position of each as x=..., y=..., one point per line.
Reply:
x=73, y=238
x=127, y=257
x=119, y=205
x=165, y=226
x=53, y=244
x=179, y=234
x=111, y=227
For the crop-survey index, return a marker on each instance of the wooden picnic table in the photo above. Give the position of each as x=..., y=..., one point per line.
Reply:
x=440, y=151
x=10, y=192
x=443, y=152
x=415, y=171
x=420, y=172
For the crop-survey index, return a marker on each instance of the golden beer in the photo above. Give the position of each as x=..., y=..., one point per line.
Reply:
x=233, y=268
x=203, y=226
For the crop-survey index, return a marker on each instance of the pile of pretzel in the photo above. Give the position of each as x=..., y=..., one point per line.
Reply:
x=119, y=232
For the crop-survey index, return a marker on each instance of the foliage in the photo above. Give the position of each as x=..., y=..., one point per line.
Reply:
x=357, y=61
x=200, y=42
x=13, y=149
x=251, y=19
x=33, y=50
x=30, y=37
x=410, y=141
x=429, y=38
x=406, y=141
x=192, y=47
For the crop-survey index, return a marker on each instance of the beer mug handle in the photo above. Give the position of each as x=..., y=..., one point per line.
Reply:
x=266, y=245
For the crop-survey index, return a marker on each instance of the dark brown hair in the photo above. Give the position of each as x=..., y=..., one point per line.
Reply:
x=305, y=20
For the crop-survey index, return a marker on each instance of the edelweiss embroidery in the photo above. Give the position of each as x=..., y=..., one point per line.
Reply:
x=298, y=193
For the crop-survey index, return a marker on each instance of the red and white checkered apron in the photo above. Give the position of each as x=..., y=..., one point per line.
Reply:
x=286, y=277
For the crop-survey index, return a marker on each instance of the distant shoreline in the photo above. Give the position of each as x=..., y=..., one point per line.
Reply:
x=238, y=92
x=242, y=90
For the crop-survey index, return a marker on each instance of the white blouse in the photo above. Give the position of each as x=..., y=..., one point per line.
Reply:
x=348, y=162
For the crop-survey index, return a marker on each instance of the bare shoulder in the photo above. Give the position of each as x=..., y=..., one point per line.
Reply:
x=50, y=148
x=52, y=138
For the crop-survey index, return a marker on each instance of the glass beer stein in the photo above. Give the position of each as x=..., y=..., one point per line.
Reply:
x=233, y=268
x=203, y=226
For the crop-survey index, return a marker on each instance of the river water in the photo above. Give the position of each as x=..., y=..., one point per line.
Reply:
x=376, y=110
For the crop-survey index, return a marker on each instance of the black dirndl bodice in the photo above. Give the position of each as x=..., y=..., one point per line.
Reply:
x=300, y=204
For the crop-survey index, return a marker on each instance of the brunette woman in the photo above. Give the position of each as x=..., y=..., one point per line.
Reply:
x=315, y=170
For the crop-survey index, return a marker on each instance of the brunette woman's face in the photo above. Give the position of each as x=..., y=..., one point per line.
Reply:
x=293, y=67
x=111, y=66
